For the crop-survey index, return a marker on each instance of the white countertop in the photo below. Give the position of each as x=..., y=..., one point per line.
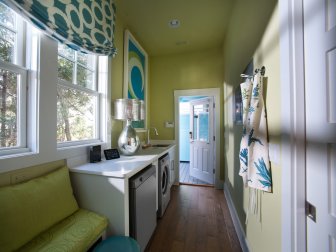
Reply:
x=125, y=166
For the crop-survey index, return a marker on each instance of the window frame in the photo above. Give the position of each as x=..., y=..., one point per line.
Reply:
x=21, y=109
x=75, y=62
x=18, y=66
x=97, y=92
x=40, y=62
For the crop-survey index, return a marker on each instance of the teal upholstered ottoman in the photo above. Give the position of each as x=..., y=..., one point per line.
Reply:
x=118, y=244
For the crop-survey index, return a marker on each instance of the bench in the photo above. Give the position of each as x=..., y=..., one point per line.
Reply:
x=42, y=215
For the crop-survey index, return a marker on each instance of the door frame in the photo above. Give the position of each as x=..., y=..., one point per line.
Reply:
x=215, y=93
x=292, y=126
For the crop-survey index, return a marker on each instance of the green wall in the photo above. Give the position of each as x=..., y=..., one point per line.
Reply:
x=117, y=73
x=258, y=40
x=117, y=79
x=253, y=33
x=196, y=70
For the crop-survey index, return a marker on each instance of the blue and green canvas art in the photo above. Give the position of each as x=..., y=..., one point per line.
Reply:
x=136, y=77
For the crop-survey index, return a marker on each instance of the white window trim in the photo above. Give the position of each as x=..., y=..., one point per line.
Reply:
x=93, y=92
x=102, y=105
x=24, y=55
x=104, y=64
x=21, y=109
x=76, y=63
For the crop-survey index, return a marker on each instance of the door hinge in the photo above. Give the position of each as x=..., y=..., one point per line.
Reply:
x=311, y=211
x=214, y=138
x=214, y=105
x=213, y=171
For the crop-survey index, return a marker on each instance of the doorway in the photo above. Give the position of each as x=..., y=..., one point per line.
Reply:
x=184, y=138
x=196, y=140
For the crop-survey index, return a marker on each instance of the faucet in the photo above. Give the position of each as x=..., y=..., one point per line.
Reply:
x=156, y=133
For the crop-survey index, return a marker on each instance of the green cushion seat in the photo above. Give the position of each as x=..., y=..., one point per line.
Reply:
x=42, y=215
x=77, y=232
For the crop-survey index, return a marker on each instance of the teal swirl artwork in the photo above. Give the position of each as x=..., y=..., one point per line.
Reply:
x=135, y=73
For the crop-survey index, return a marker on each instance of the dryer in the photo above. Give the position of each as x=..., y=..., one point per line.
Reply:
x=163, y=184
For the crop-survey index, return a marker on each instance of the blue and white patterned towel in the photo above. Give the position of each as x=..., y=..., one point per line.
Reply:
x=254, y=157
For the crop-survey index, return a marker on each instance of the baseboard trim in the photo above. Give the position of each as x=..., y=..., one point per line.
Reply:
x=238, y=227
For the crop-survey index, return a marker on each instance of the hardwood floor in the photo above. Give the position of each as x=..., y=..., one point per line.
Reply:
x=197, y=219
x=185, y=175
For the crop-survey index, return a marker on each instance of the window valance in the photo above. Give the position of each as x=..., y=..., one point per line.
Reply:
x=83, y=25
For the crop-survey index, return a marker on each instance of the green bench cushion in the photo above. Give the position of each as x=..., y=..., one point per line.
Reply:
x=29, y=208
x=75, y=233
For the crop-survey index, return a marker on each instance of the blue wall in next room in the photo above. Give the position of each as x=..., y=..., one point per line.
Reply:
x=184, y=138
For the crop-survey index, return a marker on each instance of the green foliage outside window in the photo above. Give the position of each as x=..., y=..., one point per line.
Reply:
x=8, y=80
x=76, y=107
x=75, y=115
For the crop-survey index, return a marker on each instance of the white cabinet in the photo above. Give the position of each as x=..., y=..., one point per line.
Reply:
x=104, y=187
x=104, y=195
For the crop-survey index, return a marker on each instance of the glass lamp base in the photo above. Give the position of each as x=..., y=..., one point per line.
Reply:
x=128, y=141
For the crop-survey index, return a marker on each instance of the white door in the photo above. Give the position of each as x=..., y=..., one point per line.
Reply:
x=202, y=140
x=320, y=85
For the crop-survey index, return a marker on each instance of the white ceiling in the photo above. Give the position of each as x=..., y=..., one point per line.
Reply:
x=203, y=23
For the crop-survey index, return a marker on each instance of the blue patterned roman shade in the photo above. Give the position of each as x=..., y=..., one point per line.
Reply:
x=83, y=25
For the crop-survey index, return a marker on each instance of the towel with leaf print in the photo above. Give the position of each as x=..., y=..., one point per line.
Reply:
x=254, y=144
x=246, y=90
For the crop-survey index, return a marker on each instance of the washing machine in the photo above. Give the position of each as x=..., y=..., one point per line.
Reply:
x=163, y=184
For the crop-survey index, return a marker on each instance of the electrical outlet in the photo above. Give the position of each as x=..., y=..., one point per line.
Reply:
x=169, y=124
x=18, y=178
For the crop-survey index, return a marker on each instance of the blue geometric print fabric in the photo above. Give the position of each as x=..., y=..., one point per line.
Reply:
x=84, y=25
x=254, y=154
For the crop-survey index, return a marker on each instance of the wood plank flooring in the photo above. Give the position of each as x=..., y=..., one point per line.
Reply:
x=197, y=219
x=185, y=175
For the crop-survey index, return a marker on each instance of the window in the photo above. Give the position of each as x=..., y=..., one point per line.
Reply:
x=77, y=96
x=13, y=82
x=32, y=95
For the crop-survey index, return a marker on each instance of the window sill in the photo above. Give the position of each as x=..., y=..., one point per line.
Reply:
x=13, y=153
x=78, y=144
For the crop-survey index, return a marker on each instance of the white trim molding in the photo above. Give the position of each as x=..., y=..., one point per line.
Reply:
x=235, y=219
x=292, y=126
x=214, y=92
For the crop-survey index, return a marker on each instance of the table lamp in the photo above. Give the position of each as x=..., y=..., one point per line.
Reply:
x=129, y=110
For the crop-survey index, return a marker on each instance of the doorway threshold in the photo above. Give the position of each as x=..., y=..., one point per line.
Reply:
x=200, y=185
x=186, y=179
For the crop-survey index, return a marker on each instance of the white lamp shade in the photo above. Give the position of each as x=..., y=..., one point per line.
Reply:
x=129, y=109
x=123, y=109
x=135, y=110
x=142, y=110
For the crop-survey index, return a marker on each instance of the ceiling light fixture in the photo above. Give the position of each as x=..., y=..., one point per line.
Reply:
x=174, y=23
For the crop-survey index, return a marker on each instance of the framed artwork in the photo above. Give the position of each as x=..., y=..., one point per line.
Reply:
x=237, y=97
x=135, y=74
x=238, y=107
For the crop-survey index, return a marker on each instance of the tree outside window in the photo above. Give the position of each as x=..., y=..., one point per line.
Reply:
x=9, y=79
x=77, y=96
